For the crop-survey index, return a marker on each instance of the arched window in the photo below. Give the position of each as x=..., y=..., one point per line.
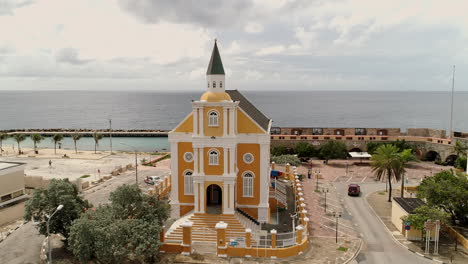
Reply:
x=214, y=157
x=214, y=84
x=247, y=182
x=188, y=182
x=220, y=84
x=213, y=118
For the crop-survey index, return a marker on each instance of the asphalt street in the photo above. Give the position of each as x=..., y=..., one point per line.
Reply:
x=379, y=246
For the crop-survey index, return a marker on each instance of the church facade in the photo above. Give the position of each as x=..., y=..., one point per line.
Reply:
x=220, y=153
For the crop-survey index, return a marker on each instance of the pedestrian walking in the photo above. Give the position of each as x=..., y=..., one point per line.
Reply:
x=50, y=163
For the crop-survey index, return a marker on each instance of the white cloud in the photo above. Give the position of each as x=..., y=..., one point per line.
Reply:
x=253, y=28
x=270, y=50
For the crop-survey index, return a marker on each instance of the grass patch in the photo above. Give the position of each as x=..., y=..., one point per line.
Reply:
x=317, y=191
x=382, y=193
x=85, y=176
x=344, y=249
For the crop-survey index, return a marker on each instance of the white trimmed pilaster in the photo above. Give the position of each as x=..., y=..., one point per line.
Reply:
x=195, y=121
x=201, y=115
x=225, y=121
x=231, y=121
x=264, y=183
x=225, y=159
x=232, y=156
x=195, y=160
x=196, y=197
x=175, y=211
x=201, y=157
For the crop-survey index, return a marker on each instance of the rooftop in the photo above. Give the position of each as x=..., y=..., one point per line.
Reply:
x=409, y=204
x=5, y=165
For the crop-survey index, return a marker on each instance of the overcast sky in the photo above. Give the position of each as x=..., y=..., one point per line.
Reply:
x=264, y=44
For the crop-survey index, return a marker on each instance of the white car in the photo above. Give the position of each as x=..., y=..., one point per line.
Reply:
x=155, y=179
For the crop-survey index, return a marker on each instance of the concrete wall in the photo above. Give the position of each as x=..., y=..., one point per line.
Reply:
x=415, y=132
x=11, y=213
x=11, y=180
x=397, y=213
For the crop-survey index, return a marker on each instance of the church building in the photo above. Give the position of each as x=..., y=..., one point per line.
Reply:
x=220, y=153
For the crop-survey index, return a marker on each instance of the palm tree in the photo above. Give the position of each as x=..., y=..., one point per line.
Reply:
x=56, y=139
x=19, y=138
x=406, y=156
x=460, y=148
x=75, y=138
x=3, y=136
x=36, y=138
x=387, y=161
x=96, y=137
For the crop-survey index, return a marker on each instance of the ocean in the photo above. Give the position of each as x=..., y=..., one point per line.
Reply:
x=164, y=110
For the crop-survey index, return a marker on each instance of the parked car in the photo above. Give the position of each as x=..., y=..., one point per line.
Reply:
x=155, y=178
x=354, y=190
x=149, y=181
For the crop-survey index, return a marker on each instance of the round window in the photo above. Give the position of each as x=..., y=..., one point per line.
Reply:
x=248, y=158
x=188, y=156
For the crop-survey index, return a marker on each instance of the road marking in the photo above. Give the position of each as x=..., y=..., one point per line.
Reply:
x=336, y=178
x=365, y=178
x=349, y=179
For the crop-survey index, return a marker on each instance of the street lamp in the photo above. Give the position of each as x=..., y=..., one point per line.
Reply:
x=136, y=161
x=317, y=173
x=325, y=191
x=336, y=215
x=48, y=233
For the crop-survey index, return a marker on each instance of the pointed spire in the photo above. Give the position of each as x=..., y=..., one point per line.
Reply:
x=216, y=65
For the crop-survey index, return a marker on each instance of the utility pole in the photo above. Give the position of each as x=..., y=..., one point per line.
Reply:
x=110, y=134
x=451, y=104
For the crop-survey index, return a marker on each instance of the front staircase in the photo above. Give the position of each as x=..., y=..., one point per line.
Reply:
x=203, y=229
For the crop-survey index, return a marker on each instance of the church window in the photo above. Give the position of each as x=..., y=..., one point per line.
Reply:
x=248, y=158
x=213, y=118
x=188, y=156
x=188, y=183
x=214, y=84
x=214, y=157
x=247, y=181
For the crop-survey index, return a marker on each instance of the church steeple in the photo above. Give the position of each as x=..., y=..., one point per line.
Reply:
x=216, y=65
x=215, y=76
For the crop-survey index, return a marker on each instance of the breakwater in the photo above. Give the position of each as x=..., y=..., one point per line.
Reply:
x=90, y=132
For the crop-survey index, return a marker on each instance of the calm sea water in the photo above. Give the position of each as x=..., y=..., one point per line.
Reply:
x=164, y=110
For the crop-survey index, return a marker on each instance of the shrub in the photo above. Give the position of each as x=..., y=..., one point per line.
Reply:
x=283, y=159
x=279, y=150
x=333, y=150
x=304, y=150
x=460, y=163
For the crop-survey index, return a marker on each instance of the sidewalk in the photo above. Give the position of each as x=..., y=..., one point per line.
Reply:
x=383, y=209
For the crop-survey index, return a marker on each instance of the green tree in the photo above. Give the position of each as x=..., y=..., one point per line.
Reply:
x=333, y=150
x=45, y=201
x=127, y=227
x=75, y=138
x=283, y=159
x=19, y=138
x=304, y=150
x=56, y=138
x=372, y=147
x=36, y=138
x=448, y=191
x=460, y=163
x=460, y=148
x=96, y=137
x=386, y=162
x=402, y=145
x=422, y=214
x=279, y=150
x=3, y=136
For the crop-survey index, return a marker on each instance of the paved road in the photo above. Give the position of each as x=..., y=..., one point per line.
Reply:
x=23, y=246
x=379, y=247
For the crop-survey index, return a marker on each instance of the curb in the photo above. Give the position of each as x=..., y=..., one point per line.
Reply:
x=11, y=231
x=355, y=253
x=398, y=242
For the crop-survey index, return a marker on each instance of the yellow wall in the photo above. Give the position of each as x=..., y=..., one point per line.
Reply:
x=254, y=167
x=213, y=169
x=183, y=165
x=186, y=125
x=213, y=131
x=246, y=125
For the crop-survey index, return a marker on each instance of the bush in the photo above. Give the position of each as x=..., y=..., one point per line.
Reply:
x=279, y=150
x=283, y=159
x=460, y=163
x=333, y=150
x=304, y=150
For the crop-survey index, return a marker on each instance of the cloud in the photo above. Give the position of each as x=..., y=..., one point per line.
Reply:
x=270, y=50
x=253, y=28
x=70, y=55
x=7, y=6
x=207, y=13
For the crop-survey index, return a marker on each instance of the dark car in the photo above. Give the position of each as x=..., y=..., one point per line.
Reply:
x=354, y=190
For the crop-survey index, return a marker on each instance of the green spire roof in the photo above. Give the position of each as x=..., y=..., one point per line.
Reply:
x=216, y=65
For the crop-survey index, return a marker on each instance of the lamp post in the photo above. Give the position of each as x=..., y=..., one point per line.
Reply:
x=317, y=173
x=336, y=215
x=136, y=161
x=325, y=191
x=48, y=233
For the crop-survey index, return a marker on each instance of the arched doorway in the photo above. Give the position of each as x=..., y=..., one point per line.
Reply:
x=214, y=199
x=432, y=156
x=450, y=160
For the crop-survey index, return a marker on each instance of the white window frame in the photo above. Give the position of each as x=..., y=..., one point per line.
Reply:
x=185, y=158
x=213, y=159
x=248, y=162
x=213, y=122
x=248, y=184
x=188, y=182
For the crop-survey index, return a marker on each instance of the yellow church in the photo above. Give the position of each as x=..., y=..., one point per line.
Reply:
x=221, y=154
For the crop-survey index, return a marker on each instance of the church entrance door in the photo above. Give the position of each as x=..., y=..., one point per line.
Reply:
x=214, y=199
